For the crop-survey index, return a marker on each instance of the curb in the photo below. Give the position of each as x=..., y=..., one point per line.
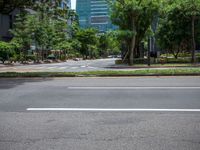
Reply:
x=29, y=75
x=172, y=67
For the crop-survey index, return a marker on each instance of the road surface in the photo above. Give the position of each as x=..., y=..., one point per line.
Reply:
x=75, y=66
x=69, y=66
x=100, y=113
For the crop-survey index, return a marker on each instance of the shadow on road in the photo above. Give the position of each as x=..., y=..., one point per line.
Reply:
x=11, y=83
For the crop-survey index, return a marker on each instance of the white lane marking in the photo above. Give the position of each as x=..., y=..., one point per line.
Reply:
x=62, y=68
x=74, y=67
x=131, y=88
x=112, y=110
x=92, y=67
x=51, y=67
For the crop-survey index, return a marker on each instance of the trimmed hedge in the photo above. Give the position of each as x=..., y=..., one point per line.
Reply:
x=165, y=60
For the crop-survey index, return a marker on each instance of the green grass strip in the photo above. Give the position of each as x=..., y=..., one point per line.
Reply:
x=145, y=72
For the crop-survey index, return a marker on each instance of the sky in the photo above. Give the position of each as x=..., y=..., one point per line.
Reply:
x=73, y=3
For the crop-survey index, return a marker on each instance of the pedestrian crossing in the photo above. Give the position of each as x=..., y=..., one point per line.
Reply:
x=45, y=68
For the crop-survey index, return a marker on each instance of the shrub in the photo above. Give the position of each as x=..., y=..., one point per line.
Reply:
x=6, y=51
x=63, y=57
x=198, y=59
x=14, y=58
x=174, y=60
x=186, y=54
x=118, y=62
x=31, y=57
x=52, y=57
x=70, y=56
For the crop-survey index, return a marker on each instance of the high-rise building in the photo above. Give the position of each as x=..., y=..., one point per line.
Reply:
x=7, y=20
x=65, y=4
x=94, y=13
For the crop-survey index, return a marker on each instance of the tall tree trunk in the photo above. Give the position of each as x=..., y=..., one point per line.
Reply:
x=126, y=54
x=42, y=53
x=193, y=39
x=37, y=55
x=60, y=55
x=132, y=51
x=65, y=53
x=149, y=50
x=133, y=41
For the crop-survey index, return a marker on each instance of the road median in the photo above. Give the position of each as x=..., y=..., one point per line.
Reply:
x=108, y=73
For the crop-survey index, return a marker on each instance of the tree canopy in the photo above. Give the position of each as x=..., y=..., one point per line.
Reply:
x=135, y=17
x=7, y=6
x=88, y=40
x=179, y=26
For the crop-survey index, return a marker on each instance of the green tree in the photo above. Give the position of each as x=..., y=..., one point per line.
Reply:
x=6, y=51
x=7, y=6
x=45, y=28
x=76, y=46
x=88, y=39
x=174, y=34
x=179, y=27
x=66, y=47
x=135, y=17
x=23, y=33
x=192, y=10
x=108, y=44
x=53, y=28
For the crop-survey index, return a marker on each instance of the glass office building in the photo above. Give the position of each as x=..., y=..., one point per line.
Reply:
x=94, y=13
x=65, y=4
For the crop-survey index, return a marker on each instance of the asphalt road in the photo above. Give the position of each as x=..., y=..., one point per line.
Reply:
x=69, y=66
x=21, y=129
x=72, y=66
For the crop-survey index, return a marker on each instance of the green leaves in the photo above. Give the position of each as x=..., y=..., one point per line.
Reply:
x=6, y=51
x=5, y=46
x=134, y=18
x=22, y=29
x=88, y=39
x=7, y=6
x=109, y=44
x=175, y=29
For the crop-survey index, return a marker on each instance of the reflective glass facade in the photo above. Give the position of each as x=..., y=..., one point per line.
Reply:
x=65, y=4
x=94, y=13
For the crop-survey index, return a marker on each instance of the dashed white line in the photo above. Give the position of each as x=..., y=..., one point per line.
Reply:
x=83, y=66
x=62, y=68
x=92, y=67
x=112, y=110
x=74, y=67
x=51, y=67
x=41, y=67
x=132, y=88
